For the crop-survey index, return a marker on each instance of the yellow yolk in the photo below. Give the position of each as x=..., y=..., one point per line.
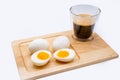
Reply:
x=63, y=54
x=43, y=55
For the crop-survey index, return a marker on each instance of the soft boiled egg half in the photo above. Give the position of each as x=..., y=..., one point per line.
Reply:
x=41, y=57
x=64, y=55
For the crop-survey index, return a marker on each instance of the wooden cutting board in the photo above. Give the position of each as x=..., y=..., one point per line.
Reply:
x=87, y=53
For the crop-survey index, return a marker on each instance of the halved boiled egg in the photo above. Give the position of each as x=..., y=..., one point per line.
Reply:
x=64, y=55
x=41, y=57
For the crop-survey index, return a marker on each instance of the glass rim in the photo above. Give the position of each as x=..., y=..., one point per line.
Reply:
x=99, y=10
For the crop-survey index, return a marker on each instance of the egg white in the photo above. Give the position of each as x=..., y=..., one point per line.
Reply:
x=39, y=62
x=38, y=44
x=61, y=42
x=69, y=58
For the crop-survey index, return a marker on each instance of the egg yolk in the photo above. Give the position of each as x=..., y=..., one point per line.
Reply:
x=63, y=54
x=43, y=55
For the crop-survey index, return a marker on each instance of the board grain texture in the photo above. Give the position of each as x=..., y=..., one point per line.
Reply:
x=87, y=53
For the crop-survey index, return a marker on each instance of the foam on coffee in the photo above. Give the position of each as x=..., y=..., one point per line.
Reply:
x=84, y=19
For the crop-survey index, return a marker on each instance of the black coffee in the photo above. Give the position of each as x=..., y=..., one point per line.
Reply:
x=82, y=31
x=83, y=26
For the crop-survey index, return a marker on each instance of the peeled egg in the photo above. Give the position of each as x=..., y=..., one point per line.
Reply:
x=41, y=57
x=61, y=42
x=64, y=55
x=38, y=44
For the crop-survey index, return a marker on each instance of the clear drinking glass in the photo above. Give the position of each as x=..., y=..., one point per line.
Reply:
x=83, y=18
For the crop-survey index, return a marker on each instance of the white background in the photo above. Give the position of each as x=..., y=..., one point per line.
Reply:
x=21, y=19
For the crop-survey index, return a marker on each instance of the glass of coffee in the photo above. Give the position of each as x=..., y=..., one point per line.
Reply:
x=83, y=19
